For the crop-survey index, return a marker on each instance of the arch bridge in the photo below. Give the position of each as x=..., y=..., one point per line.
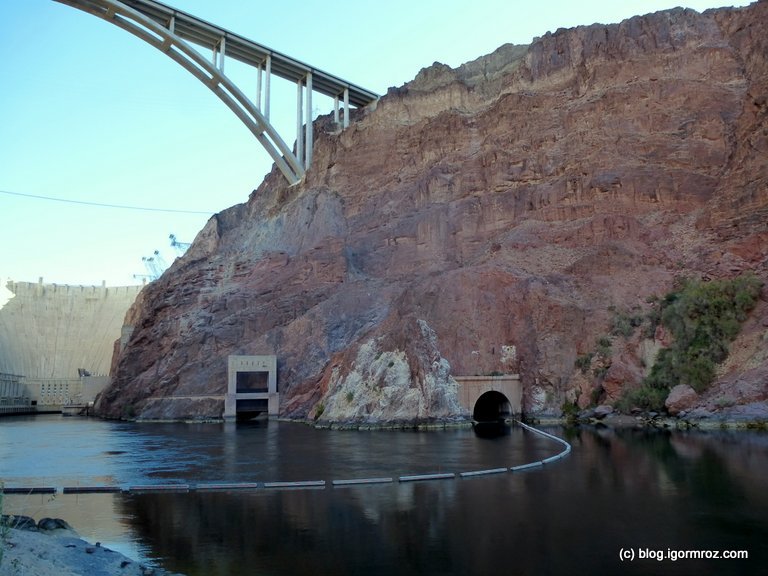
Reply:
x=491, y=398
x=173, y=32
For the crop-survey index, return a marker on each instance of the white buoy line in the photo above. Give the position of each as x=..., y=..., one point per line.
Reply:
x=305, y=484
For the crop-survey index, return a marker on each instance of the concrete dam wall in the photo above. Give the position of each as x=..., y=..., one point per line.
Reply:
x=51, y=331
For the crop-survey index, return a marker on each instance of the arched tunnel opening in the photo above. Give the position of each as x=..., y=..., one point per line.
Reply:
x=492, y=406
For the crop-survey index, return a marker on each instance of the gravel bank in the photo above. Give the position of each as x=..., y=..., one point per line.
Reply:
x=61, y=552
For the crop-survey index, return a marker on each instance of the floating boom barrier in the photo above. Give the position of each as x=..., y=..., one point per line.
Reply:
x=297, y=485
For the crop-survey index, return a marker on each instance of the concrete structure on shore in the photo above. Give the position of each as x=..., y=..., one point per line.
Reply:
x=491, y=398
x=251, y=386
x=56, y=342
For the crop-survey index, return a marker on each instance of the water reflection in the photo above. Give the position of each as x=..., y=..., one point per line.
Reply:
x=617, y=489
x=51, y=451
x=491, y=429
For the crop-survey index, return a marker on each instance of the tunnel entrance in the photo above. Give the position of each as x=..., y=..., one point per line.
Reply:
x=249, y=409
x=492, y=406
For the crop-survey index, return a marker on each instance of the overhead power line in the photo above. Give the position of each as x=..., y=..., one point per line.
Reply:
x=103, y=205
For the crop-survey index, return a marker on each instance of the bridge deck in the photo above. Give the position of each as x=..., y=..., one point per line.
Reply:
x=207, y=35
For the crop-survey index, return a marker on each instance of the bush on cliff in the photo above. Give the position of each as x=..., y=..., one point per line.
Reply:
x=703, y=318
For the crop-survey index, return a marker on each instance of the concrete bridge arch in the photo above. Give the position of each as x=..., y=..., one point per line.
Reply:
x=491, y=398
x=173, y=32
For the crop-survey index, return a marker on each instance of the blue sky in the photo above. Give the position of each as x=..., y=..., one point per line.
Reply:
x=90, y=113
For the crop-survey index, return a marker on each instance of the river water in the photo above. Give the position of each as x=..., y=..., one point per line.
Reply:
x=643, y=492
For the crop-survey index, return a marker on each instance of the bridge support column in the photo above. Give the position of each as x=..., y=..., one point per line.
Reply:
x=346, y=107
x=304, y=134
x=299, y=120
x=336, y=109
x=308, y=125
x=219, y=51
x=264, y=68
x=258, y=89
x=336, y=117
x=267, y=86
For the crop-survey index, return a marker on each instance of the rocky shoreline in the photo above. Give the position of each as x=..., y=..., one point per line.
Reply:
x=591, y=417
x=752, y=416
x=51, y=547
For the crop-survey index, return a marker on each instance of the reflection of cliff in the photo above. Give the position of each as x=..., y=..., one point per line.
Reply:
x=649, y=488
x=50, y=331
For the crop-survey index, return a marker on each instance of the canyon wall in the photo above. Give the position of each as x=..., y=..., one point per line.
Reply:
x=517, y=203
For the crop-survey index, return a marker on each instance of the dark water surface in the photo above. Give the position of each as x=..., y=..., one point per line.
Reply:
x=641, y=491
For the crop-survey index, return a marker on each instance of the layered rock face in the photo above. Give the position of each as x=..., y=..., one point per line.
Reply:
x=518, y=202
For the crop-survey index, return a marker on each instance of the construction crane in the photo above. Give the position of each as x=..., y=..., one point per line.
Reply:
x=180, y=247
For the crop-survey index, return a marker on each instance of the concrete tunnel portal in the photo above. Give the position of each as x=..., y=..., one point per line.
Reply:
x=492, y=406
x=491, y=398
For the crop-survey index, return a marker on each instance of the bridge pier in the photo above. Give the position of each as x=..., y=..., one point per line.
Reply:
x=308, y=124
x=264, y=67
x=345, y=96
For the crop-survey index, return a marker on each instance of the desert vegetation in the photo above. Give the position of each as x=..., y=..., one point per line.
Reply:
x=702, y=318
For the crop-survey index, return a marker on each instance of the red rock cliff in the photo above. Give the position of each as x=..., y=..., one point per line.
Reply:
x=517, y=203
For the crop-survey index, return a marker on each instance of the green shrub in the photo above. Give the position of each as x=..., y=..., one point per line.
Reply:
x=624, y=323
x=601, y=371
x=570, y=410
x=622, y=326
x=646, y=398
x=653, y=317
x=584, y=361
x=703, y=318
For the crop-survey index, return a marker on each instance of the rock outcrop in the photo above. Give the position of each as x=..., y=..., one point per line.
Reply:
x=522, y=200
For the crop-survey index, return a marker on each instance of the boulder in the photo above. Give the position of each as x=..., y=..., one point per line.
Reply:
x=19, y=522
x=602, y=411
x=681, y=399
x=50, y=524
